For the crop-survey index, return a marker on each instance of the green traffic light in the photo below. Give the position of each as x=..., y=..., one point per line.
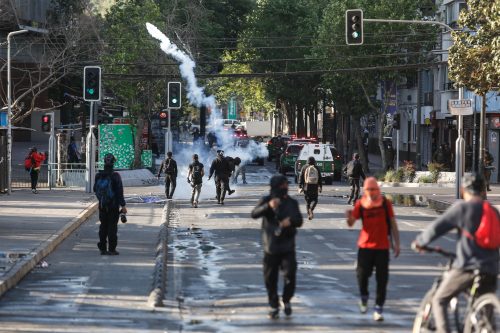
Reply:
x=90, y=91
x=355, y=34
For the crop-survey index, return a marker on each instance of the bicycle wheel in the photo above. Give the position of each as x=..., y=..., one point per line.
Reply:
x=424, y=320
x=484, y=316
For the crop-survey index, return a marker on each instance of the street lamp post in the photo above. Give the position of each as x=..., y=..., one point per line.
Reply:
x=9, y=111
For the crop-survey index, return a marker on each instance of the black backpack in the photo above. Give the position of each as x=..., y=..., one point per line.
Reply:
x=169, y=166
x=104, y=191
x=196, y=173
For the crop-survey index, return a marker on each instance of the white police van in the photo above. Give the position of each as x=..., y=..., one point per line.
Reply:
x=324, y=161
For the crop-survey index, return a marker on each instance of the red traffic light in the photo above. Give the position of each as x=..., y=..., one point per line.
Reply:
x=46, y=123
x=45, y=119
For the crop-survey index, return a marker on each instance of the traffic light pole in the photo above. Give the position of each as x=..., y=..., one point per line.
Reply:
x=168, y=135
x=90, y=153
x=52, y=150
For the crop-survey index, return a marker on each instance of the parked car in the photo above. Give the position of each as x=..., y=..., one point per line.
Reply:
x=324, y=160
x=305, y=140
x=288, y=158
x=338, y=162
x=276, y=145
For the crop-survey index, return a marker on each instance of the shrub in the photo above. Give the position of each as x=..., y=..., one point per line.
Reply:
x=435, y=170
x=389, y=176
x=409, y=171
x=426, y=179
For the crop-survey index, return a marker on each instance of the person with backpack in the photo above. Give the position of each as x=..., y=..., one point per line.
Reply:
x=477, y=246
x=169, y=166
x=378, y=234
x=32, y=164
x=195, y=178
x=310, y=182
x=222, y=169
x=108, y=188
x=354, y=171
x=280, y=219
x=240, y=169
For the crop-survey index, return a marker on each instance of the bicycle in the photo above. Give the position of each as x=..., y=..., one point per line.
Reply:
x=481, y=312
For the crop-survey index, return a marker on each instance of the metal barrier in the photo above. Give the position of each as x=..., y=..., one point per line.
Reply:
x=67, y=174
x=21, y=178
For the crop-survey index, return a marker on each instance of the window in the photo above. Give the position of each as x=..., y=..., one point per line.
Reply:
x=316, y=151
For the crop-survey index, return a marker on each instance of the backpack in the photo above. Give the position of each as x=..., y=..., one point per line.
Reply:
x=487, y=234
x=352, y=171
x=169, y=166
x=196, y=173
x=28, y=162
x=104, y=191
x=311, y=175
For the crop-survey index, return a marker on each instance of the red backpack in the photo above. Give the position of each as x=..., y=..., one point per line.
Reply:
x=28, y=162
x=487, y=234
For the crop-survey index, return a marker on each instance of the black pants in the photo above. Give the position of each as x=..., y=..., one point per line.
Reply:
x=170, y=180
x=221, y=186
x=354, y=188
x=367, y=260
x=109, y=228
x=272, y=264
x=311, y=195
x=34, y=177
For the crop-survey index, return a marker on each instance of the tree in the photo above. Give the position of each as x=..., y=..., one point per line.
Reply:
x=55, y=56
x=474, y=60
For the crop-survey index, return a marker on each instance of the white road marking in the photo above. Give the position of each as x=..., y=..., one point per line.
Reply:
x=319, y=237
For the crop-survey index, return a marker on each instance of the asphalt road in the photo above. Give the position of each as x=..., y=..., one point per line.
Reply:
x=214, y=272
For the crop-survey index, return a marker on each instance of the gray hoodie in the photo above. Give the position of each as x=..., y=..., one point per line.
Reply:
x=470, y=256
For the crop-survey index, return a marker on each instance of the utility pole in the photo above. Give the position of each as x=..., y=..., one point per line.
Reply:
x=418, y=158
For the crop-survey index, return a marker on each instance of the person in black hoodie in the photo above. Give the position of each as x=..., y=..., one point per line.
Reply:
x=280, y=219
x=354, y=171
x=108, y=188
x=169, y=166
x=222, y=169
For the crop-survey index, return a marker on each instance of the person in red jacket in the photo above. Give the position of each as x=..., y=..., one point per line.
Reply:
x=379, y=228
x=36, y=160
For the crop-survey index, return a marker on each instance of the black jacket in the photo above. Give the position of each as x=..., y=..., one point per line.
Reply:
x=173, y=165
x=285, y=241
x=354, y=169
x=116, y=184
x=221, y=168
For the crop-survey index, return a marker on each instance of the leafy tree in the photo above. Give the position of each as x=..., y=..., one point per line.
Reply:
x=474, y=60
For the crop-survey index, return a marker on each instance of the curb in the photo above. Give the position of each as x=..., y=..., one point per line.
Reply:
x=441, y=185
x=24, y=266
x=157, y=293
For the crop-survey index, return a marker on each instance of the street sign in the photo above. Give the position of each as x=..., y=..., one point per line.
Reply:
x=460, y=107
x=231, y=108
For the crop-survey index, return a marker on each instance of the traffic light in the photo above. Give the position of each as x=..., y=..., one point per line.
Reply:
x=92, y=83
x=174, y=95
x=163, y=119
x=396, y=121
x=46, y=123
x=354, y=26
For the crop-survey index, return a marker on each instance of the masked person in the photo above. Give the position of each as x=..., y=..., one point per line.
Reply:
x=108, y=188
x=354, y=171
x=280, y=219
x=379, y=228
x=169, y=166
x=310, y=182
x=195, y=178
x=220, y=166
x=472, y=255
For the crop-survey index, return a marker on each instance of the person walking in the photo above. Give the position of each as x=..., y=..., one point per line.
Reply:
x=232, y=167
x=378, y=231
x=310, y=182
x=169, y=166
x=280, y=219
x=354, y=171
x=220, y=166
x=488, y=168
x=466, y=216
x=240, y=169
x=108, y=188
x=195, y=178
x=73, y=154
x=34, y=161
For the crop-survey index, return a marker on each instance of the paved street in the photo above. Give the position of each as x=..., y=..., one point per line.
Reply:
x=214, y=276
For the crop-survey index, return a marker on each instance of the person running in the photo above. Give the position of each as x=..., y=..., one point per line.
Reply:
x=108, y=188
x=310, y=183
x=169, y=166
x=195, y=178
x=280, y=219
x=354, y=171
x=35, y=160
x=465, y=216
x=220, y=166
x=378, y=230
x=240, y=169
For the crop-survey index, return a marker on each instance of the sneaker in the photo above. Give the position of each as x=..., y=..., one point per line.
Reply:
x=377, y=314
x=231, y=192
x=196, y=205
x=245, y=182
x=222, y=202
x=274, y=313
x=363, y=307
x=288, y=309
x=113, y=253
x=104, y=252
x=312, y=215
x=309, y=214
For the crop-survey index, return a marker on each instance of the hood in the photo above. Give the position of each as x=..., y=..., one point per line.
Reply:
x=276, y=182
